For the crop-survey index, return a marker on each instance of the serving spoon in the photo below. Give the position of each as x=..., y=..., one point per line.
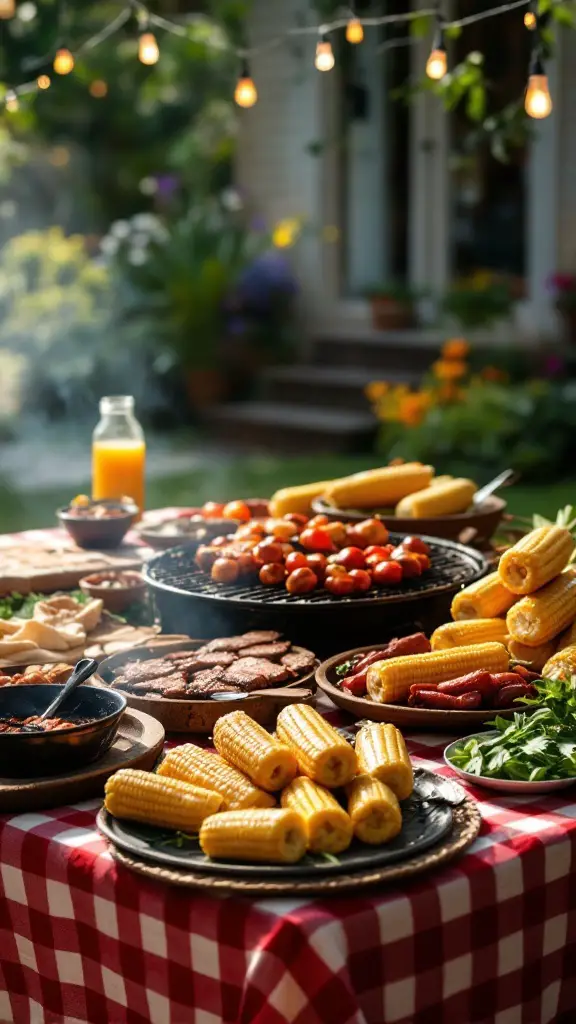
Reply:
x=492, y=486
x=83, y=669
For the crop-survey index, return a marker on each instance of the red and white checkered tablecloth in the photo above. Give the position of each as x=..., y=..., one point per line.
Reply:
x=489, y=939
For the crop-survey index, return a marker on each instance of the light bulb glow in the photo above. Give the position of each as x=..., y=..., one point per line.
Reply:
x=437, y=65
x=148, y=51
x=7, y=8
x=63, y=61
x=354, y=31
x=324, y=60
x=530, y=21
x=98, y=88
x=43, y=81
x=11, y=101
x=538, y=102
x=245, y=93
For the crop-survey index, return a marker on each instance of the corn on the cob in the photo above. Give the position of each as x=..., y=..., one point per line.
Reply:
x=539, y=617
x=390, y=681
x=382, y=753
x=561, y=665
x=379, y=487
x=444, y=479
x=468, y=632
x=168, y=803
x=328, y=827
x=239, y=739
x=486, y=599
x=274, y=835
x=445, y=499
x=535, y=657
x=297, y=499
x=567, y=638
x=322, y=754
x=536, y=559
x=374, y=810
x=198, y=767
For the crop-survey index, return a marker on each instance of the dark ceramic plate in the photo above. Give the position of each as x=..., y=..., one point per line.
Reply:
x=424, y=825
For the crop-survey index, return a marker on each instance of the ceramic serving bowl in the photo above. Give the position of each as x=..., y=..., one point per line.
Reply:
x=517, y=786
x=116, y=599
x=98, y=532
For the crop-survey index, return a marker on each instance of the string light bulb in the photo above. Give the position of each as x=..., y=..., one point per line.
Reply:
x=148, y=50
x=43, y=81
x=7, y=8
x=538, y=102
x=63, y=61
x=11, y=101
x=530, y=21
x=245, y=93
x=354, y=31
x=324, y=60
x=437, y=63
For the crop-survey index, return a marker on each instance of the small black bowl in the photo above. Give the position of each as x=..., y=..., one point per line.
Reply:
x=29, y=754
x=89, y=532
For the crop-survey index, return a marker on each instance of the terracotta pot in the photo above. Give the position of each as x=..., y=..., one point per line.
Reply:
x=205, y=387
x=391, y=315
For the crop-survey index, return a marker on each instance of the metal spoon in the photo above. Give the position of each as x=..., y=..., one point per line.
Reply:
x=435, y=789
x=494, y=485
x=296, y=693
x=82, y=671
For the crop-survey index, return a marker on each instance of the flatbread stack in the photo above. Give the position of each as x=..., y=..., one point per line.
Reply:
x=59, y=627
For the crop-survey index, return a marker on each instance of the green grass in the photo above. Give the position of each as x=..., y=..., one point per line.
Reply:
x=249, y=477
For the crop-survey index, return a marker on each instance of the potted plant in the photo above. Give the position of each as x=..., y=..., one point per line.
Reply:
x=479, y=301
x=564, y=289
x=392, y=306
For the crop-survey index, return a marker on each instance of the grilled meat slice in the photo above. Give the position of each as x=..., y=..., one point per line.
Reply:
x=255, y=673
x=274, y=650
x=202, y=685
x=158, y=687
x=212, y=659
x=230, y=643
x=262, y=636
x=299, y=662
x=140, y=671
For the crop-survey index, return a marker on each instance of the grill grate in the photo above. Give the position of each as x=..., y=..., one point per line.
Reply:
x=453, y=566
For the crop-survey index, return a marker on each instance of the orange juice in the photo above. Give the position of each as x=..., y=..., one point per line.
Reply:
x=118, y=470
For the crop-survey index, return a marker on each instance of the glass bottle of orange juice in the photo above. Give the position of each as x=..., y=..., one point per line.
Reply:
x=118, y=452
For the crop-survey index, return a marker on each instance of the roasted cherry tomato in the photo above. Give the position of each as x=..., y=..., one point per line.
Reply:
x=301, y=581
x=337, y=533
x=385, y=550
x=423, y=559
x=339, y=584
x=362, y=579
x=205, y=557
x=333, y=569
x=220, y=542
x=283, y=531
x=416, y=544
x=237, y=510
x=269, y=551
x=351, y=558
x=247, y=564
x=387, y=574
x=212, y=510
x=411, y=566
x=370, y=531
x=296, y=560
x=318, y=563
x=225, y=570
x=316, y=540
x=296, y=517
x=250, y=531
x=318, y=521
x=373, y=560
x=272, y=574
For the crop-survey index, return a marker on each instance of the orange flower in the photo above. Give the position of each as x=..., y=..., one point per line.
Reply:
x=413, y=408
x=494, y=375
x=456, y=348
x=449, y=369
x=376, y=390
x=450, y=392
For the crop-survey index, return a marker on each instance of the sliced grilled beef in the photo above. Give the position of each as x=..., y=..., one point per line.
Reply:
x=158, y=686
x=274, y=650
x=254, y=673
x=202, y=685
x=299, y=661
x=139, y=671
x=230, y=643
x=262, y=636
x=212, y=659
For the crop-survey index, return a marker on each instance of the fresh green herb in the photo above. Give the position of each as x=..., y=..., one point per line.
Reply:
x=534, y=746
x=344, y=669
x=330, y=858
x=178, y=839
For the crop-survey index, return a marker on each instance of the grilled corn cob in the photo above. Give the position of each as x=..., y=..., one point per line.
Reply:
x=198, y=767
x=168, y=803
x=445, y=499
x=536, y=559
x=247, y=745
x=328, y=827
x=535, y=657
x=297, y=499
x=390, y=681
x=374, y=810
x=537, y=618
x=486, y=599
x=561, y=665
x=276, y=835
x=467, y=632
x=322, y=754
x=381, y=753
x=567, y=639
x=379, y=487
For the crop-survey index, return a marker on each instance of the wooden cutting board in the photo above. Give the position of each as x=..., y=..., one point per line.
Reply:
x=58, y=564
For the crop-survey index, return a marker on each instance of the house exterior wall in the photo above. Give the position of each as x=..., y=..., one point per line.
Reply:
x=565, y=186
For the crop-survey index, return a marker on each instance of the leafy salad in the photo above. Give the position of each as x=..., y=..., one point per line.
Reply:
x=535, y=746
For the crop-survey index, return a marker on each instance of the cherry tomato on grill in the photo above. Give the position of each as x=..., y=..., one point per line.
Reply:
x=333, y=569
x=316, y=540
x=416, y=544
x=318, y=563
x=225, y=570
x=411, y=566
x=297, y=518
x=337, y=533
x=280, y=529
x=423, y=559
x=387, y=574
x=362, y=579
x=212, y=510
x=301, y=581
x=296, y=560
x=351, y=558
x=205, y=557
x=373, y=560
x=340, y=584
x=318, y=521
x=370, y=531
x=385, y=550
x=272, y=574
x=269, y=551
x=247, y=564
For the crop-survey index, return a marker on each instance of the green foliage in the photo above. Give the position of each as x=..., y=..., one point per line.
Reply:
x=478, y=307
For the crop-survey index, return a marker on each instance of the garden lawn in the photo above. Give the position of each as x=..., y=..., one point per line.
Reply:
x=244, y=477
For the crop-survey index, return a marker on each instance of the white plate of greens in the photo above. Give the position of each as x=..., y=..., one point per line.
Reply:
x=533, y=753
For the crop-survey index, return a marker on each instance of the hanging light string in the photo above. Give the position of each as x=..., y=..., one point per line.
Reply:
x=351, y=23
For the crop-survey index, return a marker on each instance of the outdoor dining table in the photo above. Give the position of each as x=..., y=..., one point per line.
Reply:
x=489, y=938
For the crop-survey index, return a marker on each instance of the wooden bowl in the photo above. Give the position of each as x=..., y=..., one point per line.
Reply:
x=199, y=716
x=399, y=714
x=473, y=527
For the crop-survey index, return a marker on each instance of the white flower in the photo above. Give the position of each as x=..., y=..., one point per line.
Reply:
x=148, y=186
x=145, y=222
x=26, y=11
x=137, y=257
x=120, y=228
x=140, y=240
x=109, y=245
x=231, y=200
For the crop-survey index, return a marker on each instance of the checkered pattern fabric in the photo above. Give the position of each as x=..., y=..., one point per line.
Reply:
x=490, y=939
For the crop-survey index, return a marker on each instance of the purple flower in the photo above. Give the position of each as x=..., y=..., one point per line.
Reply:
x=553, y=365
x=167, y=185
x=268, y=279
